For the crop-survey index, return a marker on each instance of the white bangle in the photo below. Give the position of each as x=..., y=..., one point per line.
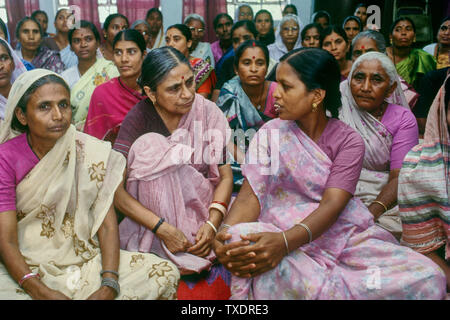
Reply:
x=308, y=230
x=212, y=226
x=219, y=207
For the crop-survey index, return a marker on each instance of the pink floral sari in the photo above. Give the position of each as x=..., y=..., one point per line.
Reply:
x=354, y=259
x=171, y=177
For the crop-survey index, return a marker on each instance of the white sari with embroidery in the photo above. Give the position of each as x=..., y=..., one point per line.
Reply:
x=61, y=204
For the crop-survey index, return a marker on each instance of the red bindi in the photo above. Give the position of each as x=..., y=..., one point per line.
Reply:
x=182, y=78
x=253, y=57
x=362, y=47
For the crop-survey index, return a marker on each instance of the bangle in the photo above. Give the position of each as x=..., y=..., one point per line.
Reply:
x=212, y=226
x=222, y=209
x=307, y=229
x=224, y=226
x=28, y=276
x=109, y=271
x=112, y=283
x=222, y=203
x=160, y=222
x=381, y=204
x=285, y=242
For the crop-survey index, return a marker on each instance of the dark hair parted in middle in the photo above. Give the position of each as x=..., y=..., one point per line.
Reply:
x=220, y=16
x=21, y=22
x=157, y=64
x=318, y=69
x=400, y=19
x=250, y=44
x=184, y=29
x=111, y=17
x=310, y=26
x=131, y=35
x=247, y=24
x=86, y=25
x=329, y=30
x=269, y=38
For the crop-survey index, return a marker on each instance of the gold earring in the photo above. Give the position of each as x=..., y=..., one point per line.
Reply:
x=314, y=107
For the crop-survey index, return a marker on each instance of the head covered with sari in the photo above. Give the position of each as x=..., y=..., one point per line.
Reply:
x=61, y=205
x=279, y=39
x=19, y=68
x=376, y=137
x=424, y=184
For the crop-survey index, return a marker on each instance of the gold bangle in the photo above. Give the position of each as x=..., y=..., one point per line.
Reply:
x=381, y=204
x=285, y=242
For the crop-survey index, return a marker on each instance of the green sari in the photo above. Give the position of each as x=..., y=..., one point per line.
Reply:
x=417, y=64
x=102, y=71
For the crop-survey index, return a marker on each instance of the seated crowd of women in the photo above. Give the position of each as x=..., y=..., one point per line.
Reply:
x=287, y=162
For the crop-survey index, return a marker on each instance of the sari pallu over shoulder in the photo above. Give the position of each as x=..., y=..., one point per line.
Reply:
x=336, y=265
x=175, y=177
x=61, y=204
x=64, y=199
x=418, y=62
x=378, y=141
x=102, y=71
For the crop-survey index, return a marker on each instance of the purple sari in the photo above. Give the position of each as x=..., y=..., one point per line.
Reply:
x=353, y=259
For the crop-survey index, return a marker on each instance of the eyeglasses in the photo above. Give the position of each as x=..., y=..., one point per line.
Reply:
x=287, y=29
x=199, y=30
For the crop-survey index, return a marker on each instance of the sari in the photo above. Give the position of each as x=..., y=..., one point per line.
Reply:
x=61, y=204
x=46, y=58
x=243, y=115
x=205, y=77
x=278, y=48
x=102, y=71
x=18, y=70
x=346, y=261
x=175, y=178
x=418, y=63
x=442, y=59
x=423, y=190
x=109, y=105
x=378, y=140
x=203, y=51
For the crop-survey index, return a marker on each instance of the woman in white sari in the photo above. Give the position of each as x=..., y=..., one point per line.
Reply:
x=58, y=230
x=374, y=105
x=287, y=37
x=12, y=67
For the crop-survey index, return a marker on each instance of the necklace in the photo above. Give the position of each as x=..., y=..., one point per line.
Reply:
x=258, y=106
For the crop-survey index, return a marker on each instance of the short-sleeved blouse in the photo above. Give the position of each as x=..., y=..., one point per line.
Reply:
x=16, y=161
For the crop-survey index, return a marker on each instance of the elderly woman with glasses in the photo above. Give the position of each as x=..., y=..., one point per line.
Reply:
x=287, y=37
x=199, y=49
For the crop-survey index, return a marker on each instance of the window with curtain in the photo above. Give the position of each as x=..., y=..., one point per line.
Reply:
x=3, y=12
x=273, y=6
x=105, y=8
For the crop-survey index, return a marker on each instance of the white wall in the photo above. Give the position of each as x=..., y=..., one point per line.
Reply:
x=49, y=6
x=172, y=11
x=305, y=9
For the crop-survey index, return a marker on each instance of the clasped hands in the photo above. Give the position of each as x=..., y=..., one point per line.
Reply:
x=176, y=241
x=253, y=255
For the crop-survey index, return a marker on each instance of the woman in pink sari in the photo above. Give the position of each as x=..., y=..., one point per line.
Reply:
x=111, y=101
x=295, y=231
x=177, y=185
